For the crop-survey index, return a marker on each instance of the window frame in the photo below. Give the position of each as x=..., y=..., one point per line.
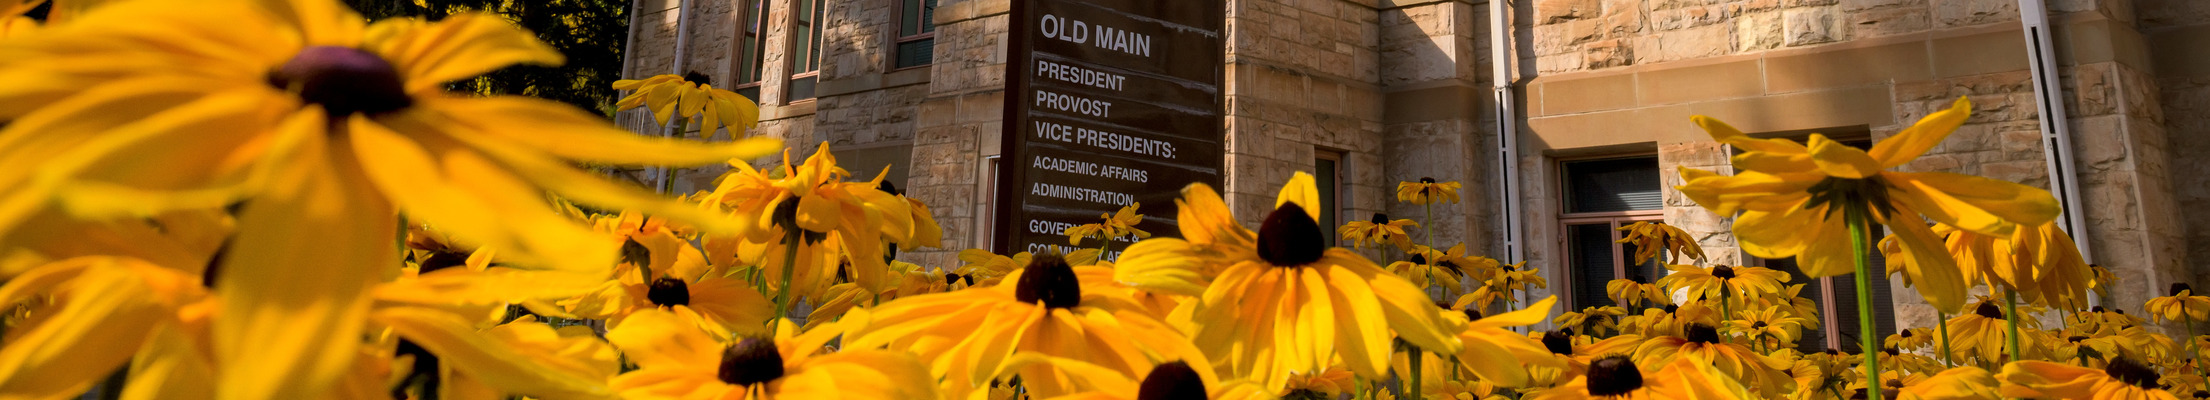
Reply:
x=757, y=15
x=796, y=60
x=899, y=38
x=1566, y=220
x=1341, y=191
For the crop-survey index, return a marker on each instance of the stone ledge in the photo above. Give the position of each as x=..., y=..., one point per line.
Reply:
x=873, y=81
x=972, y=9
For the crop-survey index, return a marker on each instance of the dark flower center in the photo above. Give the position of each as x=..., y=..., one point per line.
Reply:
x=1851, y=195
x=1670, y=308
x=1989, y=310
x=786, y=216
x=698, y=78
x=752, y=361
x=1906, y=333
x=669, y=292
x=424, y=372
x=887, y=187
x=1050, y=280
x=1289, y=237
x=2181, y=287
x=951, y=279
x=1172, y=380
x=1381, y=219
x=343, y=80
x=1558, y=342
x=2096, y=309
x=636, y=253
x=1417, y=259
x=442, y=260
x=1427, y=180
x=1723, y=272
x=1613, y=376
x=2125, y=370
x=2202, y=394
x=1757, y=325
x=968, y=278
x=1473, y=315
x=1507, y=267
x=1701, y=333
x=2075, y=339
x=1889, y=350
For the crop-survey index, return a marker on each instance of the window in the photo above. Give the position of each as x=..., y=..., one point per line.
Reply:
x=1327, y=173
x=1601, y=196
x=916, y=34
x=805, y=43
x=752, y=38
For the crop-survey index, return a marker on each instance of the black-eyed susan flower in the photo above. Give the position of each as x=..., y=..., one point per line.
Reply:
x=1703, y=344
x=1768, y=328
x=1046, y=308
x=2039, y=262
x=691, y=96
x=676, y=360
x=1961, y=383
x=1501, y=356
x=1911, y=339
x=1171, y=380
x=1795, y=200
x=1982, y=333
x=2123, y=379
x=2104, y=279
x=92, y=314
x=1428, y=191
x=1735, y=284
x=1304, y=301
x=1112, y=227
x=1618, y=378
x=329, y=128
x=2181, y=305
x=804, y=220
x=1326, y=384
x=1592, y=320
x=1633, y=291
x=1381, y=230
x=442, y=354
x=1653, y=237
x=662, y=271
x=1504, y=280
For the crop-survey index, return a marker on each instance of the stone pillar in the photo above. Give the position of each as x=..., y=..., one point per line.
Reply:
x=958, y=125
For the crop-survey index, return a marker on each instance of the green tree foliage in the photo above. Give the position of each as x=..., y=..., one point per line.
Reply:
x=591, y=33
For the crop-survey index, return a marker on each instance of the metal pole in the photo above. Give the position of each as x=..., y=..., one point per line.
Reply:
x=1507, y=133
x=682, y=53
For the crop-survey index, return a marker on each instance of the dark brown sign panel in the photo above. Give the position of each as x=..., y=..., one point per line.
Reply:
x=1110, y=102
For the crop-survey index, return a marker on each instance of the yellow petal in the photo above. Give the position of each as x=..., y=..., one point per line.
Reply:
x=101, y=316
x=520, y=357
x=460, y=47
x=1840, y=160
x=1930, y=268
x=1302, y=191
x=320, y=23
x=1921, y=136
x=818, y=214
x=1974, y=203
x=294, y=281
x=566, y=132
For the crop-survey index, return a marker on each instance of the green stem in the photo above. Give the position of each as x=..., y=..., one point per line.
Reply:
x=2010, y=300
x=2192, y=353
x=1414, y=388
x=791, y=241
x=1429, y=226
x=1944, y=323
x=1870, y=343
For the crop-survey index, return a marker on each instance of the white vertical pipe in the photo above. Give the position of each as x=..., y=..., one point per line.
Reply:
x=1507, y=133
x=682, y=53
x=2056, y=134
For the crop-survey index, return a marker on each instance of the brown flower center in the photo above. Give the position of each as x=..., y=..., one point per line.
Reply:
x=1723, y=272
x=1558, y=342
x=2125, y=370
x=1050, y=280
x=1290, y=238
x=1172, y=380
x=1613, y=376
x=669, y=292
x=1701, y=333
x=1988, y=309
x=343, y=80
x=750, y=362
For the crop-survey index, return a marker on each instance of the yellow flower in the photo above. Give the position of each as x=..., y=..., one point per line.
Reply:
x=984, y=267
x=1593, y=320
x=1795, y=198
x=690, y=96
x=1328, y=384
x=1502, y=280
x=1982, y=332
x=2040, y=262
x=1114, y=226
x=1650, y=237
x=90, y=315
x=1501, y=356
x=450, y=354
x=1702, y=344
x=676, y=360
x=2103, y=280
x=2123, y=379
x=1049, y=308
x=1293, y=294
x=1634, y=291
x=1960, y=383
x=1171, y=380
x=1911, y=339
x=1428, y=191
x=1617, y=378
x=1738, y=283
x=1380, y=230
x=2182, y=305
x=329, y=128
x=1770, y=327
x=811, y=207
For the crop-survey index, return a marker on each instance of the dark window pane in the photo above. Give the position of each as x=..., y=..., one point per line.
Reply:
x=750, y=93
x=801, y=88
x=918, y=16
x=916, y=53
x=1624, y=184
x=1589, y=251
x=1323, y=174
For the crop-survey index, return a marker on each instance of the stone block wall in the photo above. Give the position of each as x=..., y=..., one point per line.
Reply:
x=957, y=124
x=2176, y=32
x=1302, y=78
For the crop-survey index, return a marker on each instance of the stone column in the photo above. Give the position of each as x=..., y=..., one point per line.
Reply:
x=958, y=125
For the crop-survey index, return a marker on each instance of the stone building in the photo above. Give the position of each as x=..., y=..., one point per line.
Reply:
x=1381, y=91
